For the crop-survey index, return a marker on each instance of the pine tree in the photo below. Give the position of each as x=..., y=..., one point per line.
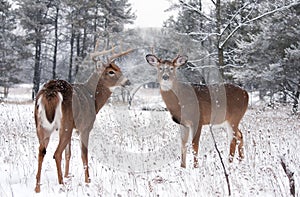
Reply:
x=115, y=14
x=265, y=55
x=89, y=20
x=33, y=15
x=292, y=70
x=8, y=55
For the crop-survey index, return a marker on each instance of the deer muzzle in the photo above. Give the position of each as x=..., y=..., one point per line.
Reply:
x=165, y=77
x=125, y=82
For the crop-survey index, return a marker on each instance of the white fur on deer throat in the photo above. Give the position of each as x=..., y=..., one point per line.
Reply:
x=165, y=85
x=55, y=124
x=121, y=82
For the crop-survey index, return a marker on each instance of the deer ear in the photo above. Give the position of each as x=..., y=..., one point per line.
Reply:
x=100, y=66
x=180, y=60
x=152, y=60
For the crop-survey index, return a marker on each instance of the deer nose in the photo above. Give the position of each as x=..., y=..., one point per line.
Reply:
x=165, y=77
x=127, y=83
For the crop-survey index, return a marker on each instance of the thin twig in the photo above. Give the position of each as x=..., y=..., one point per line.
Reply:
x=290, y=176
x=218, y=151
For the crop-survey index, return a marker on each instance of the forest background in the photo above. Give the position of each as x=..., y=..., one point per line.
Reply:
x=253, y=43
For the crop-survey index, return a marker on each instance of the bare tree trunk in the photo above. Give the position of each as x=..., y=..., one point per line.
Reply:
x=37, y=69
x=95, y=26
x=296, y=99
x=262, y=94
x=6, y=89
x=106, y=34
x=78, y=54
x=78, y=44
x=219, y=24
x=84, y=45
x=220, y=57
x=71, y=53
x=55, y=43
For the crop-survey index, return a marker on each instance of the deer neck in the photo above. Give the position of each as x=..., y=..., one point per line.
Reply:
x=101, y=96
x=171, y=100
x=100, y=92
x=92, y=83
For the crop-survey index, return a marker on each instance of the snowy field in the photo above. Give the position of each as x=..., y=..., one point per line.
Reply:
x=270, y=136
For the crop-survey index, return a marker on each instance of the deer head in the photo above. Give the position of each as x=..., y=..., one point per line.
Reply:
x=111, y=75
x=166, y=69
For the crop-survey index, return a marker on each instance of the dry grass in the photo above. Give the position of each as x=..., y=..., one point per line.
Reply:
x=270, y=135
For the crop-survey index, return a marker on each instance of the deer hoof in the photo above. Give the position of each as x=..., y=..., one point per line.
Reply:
x=87, y=180
x=37, y=189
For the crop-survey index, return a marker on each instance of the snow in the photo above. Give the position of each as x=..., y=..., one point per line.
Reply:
x=122, y=138
x=20, y=93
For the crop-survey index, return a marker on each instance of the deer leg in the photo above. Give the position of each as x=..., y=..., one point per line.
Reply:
x=196, y=146
x=241, y=144
x=237, y=138
x=41, y=155
x=84, y=155
x=231, y=133
x=67, y=157
x=184, y=139
x=64, y=138
x=232, y=149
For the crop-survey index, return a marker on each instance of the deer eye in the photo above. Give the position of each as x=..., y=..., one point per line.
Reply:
x=171, y=68
x=160, y=68
x=111, y=73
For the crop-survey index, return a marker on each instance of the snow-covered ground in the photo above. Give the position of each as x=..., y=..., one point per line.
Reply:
x=19, y=93
x=127, y=156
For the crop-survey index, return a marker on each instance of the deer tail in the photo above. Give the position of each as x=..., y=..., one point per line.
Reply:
x=49, y=109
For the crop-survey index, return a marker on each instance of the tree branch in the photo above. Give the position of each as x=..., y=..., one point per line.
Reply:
x=233, y=17
x=198, y=11
x=255, y=19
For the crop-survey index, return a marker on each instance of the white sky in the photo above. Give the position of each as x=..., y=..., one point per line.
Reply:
x=150, y=13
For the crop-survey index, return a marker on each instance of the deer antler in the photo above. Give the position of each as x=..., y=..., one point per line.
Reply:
x=98, y=53
x=110, y=59
x=115, y=56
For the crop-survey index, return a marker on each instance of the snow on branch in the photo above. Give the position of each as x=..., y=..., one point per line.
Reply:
x=255, y=19
x=196, y=9
x=234, y=16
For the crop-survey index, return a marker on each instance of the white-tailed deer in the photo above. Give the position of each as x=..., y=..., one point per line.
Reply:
x=193, y=106
x=63, y=106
